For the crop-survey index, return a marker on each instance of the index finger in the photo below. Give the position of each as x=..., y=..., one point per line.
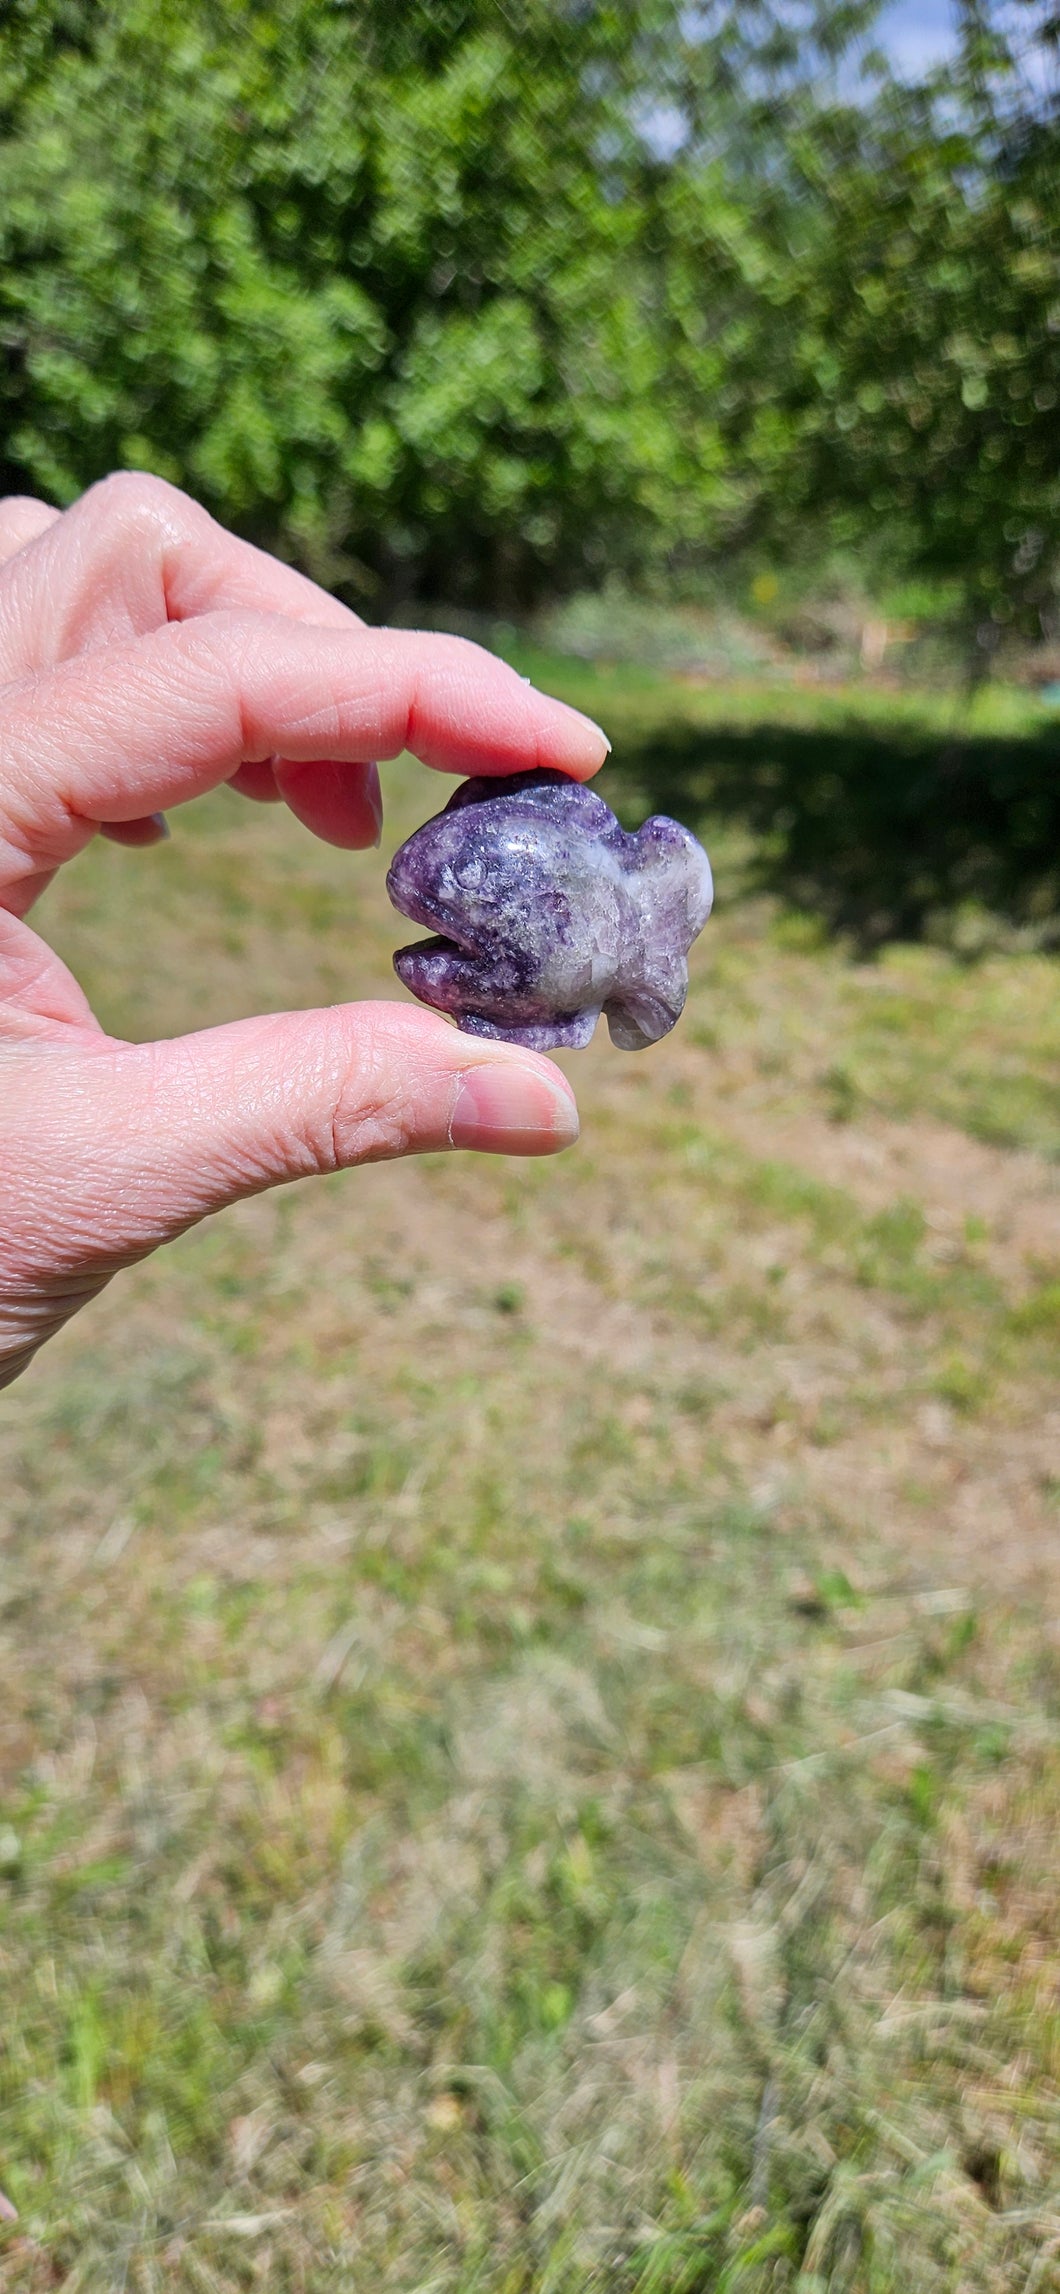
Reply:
x=137, y=728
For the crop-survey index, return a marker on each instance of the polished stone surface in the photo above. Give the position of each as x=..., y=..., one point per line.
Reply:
x=546, y=913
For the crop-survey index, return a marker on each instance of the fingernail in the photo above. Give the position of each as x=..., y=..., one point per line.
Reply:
x=511, y=1110
x=374, y=799
x=161, y=823
x=600, y=734
x=592, y=744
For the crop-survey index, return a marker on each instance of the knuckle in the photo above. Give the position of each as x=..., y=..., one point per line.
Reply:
x=459, y=653
x=19, y=505
x=22, y=518
x=233, y=641
x=367, y=1114
x=135, y=498
x=437, y=649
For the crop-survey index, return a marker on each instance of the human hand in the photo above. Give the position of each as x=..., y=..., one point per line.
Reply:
x=145, y=656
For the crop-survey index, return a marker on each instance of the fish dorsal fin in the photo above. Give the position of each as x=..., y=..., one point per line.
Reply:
x=542, y=791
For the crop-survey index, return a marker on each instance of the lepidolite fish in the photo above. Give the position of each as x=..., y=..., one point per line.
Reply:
x=545, y=913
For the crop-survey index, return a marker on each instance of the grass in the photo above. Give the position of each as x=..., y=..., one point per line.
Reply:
x=529, y=1747
x=883, y=812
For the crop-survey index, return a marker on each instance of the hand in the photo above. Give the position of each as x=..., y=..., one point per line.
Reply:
x=145, y=656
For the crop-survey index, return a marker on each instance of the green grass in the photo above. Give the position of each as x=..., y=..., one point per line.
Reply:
x=529, y=1747
x=883, y=812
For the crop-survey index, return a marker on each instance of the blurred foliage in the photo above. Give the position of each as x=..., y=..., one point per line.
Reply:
x=926, y=377
x=485, y=302
x=410, y=292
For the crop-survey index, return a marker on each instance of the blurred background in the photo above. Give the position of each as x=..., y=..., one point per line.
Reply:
x=530, y=1694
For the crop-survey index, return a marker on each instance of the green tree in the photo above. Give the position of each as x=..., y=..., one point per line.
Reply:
x=924, y=394
x=441, y=298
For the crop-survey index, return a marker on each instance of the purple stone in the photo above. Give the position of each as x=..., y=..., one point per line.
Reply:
x=546, y=913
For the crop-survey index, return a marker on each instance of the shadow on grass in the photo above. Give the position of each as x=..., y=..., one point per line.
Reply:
x=877, y=833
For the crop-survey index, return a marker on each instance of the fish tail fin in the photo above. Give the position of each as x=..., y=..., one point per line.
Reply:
x=673, y=889
x=673, y=873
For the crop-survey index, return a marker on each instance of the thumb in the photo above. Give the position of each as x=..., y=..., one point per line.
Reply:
x=115, y=1148
x=173, y=1131
x=108, y=1149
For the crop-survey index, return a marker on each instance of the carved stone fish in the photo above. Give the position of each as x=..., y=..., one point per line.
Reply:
x=546, y=913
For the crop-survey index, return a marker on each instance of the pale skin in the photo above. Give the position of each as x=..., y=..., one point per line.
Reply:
x=146, y=655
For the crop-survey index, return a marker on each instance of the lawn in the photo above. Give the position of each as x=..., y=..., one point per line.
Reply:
x=530, y=1738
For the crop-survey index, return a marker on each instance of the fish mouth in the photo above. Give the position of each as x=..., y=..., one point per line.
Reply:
x=439, y=971
x=435, y=969
x=436, y=945
x=419, y=908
